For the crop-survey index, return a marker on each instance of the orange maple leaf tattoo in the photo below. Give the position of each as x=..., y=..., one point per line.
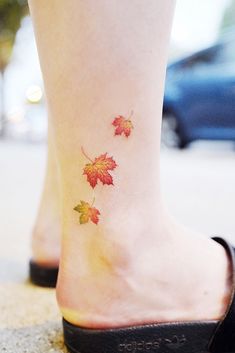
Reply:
x=99, y=169
x=122, y=125
x=88, y=212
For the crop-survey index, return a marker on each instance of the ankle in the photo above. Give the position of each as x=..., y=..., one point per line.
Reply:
x=117, y=248
x=151, y=281
x=46, y=241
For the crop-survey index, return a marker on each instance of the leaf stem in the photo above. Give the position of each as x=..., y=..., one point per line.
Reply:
x=84, y=153
x=93, y=201
x=131, y=114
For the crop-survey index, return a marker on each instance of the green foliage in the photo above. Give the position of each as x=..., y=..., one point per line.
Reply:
x=11, y=13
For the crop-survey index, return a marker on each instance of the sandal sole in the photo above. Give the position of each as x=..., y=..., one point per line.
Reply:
x=43, y=276
x=191, y=337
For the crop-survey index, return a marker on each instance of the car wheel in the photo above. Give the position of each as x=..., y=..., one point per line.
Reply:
x=171, y=134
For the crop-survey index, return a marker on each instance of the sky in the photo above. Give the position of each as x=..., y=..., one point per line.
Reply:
x=195, y=26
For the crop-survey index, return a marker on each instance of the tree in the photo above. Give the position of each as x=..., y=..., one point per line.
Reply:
x=11, y=13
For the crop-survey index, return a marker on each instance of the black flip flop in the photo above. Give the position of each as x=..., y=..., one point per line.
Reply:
x=43, y=276
x=176, y=337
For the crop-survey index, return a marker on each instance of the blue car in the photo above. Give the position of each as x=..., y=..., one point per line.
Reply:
x=200, y=94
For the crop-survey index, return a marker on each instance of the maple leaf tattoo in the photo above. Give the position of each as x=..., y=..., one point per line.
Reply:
x=122, y=125
x=99, y=169
x=88, y=212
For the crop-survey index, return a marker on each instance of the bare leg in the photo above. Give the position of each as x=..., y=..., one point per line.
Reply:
x=47, y=229
x=124, y=260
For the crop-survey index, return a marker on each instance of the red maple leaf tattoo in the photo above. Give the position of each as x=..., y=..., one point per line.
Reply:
x=88, y=212
x=123, y=125
x=99, y=169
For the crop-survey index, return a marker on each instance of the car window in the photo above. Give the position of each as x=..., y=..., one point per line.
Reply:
x=202, y=58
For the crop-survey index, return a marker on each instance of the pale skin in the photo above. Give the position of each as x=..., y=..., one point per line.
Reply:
x=47, y=229
x=100, y=59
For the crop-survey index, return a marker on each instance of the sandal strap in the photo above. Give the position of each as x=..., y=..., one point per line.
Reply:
x=223, y=340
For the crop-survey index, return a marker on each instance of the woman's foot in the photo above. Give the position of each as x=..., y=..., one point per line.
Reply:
x=174, y=276
x=46, y=240
x=46, y=237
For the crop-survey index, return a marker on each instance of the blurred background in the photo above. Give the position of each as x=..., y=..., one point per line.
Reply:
x=197, y=160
